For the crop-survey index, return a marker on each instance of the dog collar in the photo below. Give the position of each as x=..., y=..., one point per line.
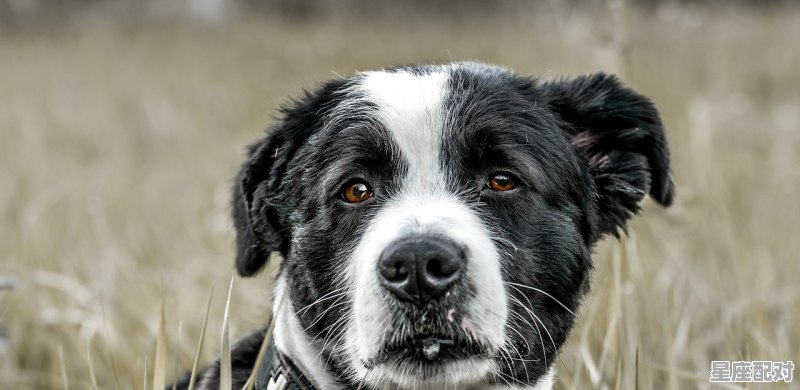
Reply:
x=277, y=372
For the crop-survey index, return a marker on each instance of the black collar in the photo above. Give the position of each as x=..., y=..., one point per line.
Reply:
x=277, y=372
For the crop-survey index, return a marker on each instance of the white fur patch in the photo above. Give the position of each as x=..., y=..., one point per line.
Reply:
x=411, y=107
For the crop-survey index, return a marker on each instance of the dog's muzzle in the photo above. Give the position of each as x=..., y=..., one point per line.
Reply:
x=420, y=269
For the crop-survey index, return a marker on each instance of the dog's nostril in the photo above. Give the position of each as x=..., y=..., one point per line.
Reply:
x=436, y=269
x=395, y=272
x=402, y=272
x=439, y=268
x=433, y=267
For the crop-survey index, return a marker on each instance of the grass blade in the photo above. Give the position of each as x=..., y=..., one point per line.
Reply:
x=636, y=371
x=251, y=381
x=193, y=375
x=177, y=354
x=92, y=374
x=160, y=363
x=108, y=347
x=225, y=346
x=63, y=367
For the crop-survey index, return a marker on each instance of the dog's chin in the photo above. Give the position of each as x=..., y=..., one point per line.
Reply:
x=425, y=361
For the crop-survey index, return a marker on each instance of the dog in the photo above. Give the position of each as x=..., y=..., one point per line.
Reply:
x=436, y=224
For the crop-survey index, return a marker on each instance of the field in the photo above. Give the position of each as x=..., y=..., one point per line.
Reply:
x=119, y=138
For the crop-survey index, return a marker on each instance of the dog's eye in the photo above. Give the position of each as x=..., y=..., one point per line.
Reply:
x=502, y=182
x=356, y=192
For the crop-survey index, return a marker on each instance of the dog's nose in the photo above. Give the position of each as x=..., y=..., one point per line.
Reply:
x=420, y=269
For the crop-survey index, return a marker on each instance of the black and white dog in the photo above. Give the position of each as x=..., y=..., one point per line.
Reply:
x=437, y=223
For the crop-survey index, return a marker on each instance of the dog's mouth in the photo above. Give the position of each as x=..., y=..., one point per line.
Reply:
x=429, y=350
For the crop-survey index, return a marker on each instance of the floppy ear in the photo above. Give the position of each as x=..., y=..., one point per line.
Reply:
x=259, y=208
x=619, y=134
x=258, y=227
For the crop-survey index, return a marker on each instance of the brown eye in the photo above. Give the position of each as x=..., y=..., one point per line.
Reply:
x=501, y=182
x=356, y=192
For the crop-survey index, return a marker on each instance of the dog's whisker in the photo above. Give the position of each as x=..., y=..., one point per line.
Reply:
x=517, y=359
x=545, y=293
x=525, y=322
x=334, y=337
x=330, y=295
x=538, y=331
x=529, y=309
x=330, y=338
x=524, y=365
x=507, y=242
x=536, y=318
x=324, y=330
x=319, y=318
x=505, y=354
x=505, y=377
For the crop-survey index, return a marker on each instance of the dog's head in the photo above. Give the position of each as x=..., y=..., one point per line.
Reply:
x=437, y=221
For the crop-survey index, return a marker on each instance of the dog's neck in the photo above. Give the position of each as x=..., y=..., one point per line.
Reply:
x=294, y=344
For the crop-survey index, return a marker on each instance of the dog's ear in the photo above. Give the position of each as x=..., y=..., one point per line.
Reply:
x=258, y=227
x=619, y=134
x=261, y=198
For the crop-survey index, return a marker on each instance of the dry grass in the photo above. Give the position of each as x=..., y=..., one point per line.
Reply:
x=118, y=140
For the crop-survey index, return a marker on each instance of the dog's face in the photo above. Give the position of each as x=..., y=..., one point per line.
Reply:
x=437, y=221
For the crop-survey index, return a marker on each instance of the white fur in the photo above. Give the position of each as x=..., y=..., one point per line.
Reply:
x=411, y=108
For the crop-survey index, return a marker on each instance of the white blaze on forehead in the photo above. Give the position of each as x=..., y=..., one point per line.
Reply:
x=411, y=108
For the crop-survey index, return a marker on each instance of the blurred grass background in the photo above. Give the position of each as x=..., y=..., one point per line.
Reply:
x=122, y=123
